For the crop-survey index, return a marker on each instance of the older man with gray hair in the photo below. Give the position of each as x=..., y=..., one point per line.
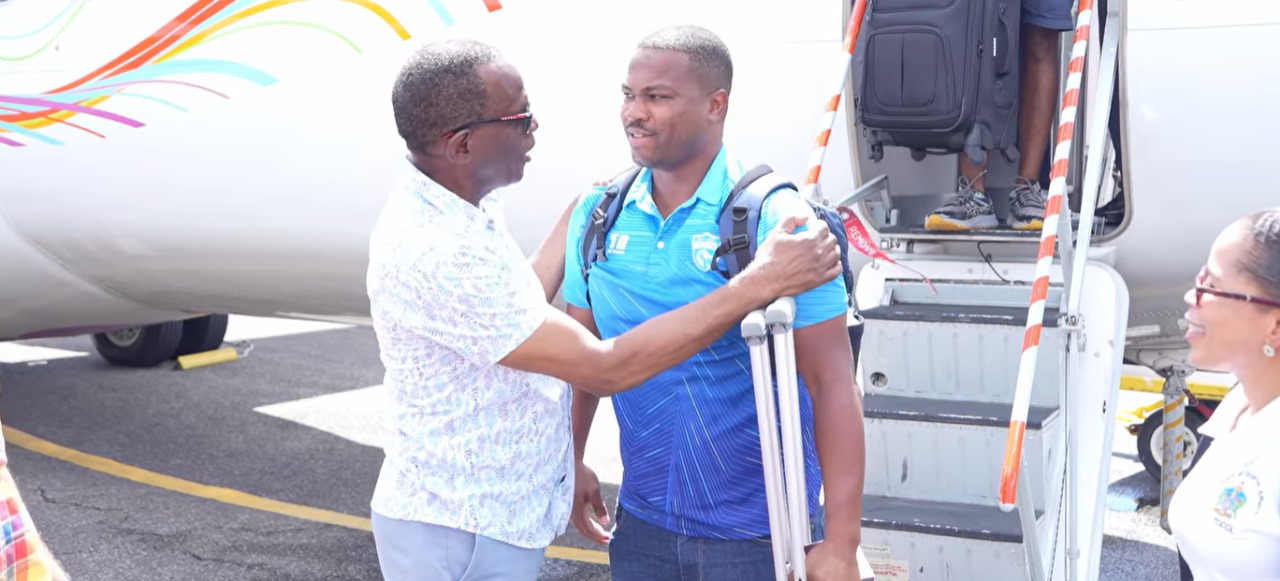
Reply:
x=479, y=472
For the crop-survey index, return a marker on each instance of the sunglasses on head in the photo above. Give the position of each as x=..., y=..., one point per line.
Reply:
x=524, y=119
x=1202, y=290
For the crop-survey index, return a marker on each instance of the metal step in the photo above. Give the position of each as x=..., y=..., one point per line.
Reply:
x=947, y=519
x=960, y=413
x=956, y=353
x=913, y=444
x=942, y=541
x=967, y=314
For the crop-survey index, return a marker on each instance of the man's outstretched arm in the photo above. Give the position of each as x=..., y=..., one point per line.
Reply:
x=788, y=263
x=491, y=310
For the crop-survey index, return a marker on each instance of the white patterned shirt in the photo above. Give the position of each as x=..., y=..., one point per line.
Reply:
x=474, y=445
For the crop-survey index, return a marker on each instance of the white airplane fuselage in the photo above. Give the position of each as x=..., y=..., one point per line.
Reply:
x=261, y=202
x=243, y=172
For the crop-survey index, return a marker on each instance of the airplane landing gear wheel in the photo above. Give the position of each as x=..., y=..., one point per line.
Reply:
x=154, y=344
x=201, y=334
x=139, y=346
x=1151, y=440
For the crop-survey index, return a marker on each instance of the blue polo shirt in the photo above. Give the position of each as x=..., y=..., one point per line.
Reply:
x=690, y=444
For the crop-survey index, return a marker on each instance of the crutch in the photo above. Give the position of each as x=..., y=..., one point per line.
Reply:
x=786, y=493
x=788, y=506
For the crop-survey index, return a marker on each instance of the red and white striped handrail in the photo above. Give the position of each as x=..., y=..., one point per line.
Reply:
x=810, y=186
x=1048, y=239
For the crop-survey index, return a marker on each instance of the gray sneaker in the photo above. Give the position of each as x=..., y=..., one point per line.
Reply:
x=967, y=210
x=1026, y=206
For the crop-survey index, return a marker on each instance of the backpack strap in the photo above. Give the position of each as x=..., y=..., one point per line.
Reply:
x=836, y=225
x=602, y=217
x=740, y=218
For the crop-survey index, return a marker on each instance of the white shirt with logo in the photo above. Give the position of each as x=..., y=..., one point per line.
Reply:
x=474, y=445
x=1225, y=515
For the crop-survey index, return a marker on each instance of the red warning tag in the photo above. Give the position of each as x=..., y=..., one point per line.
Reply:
x=860, y=240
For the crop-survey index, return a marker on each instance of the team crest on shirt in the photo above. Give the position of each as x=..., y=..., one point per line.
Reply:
x=1241, y=493
x=704, y=247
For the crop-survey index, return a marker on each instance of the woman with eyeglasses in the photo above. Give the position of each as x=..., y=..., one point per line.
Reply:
x=1226, y=514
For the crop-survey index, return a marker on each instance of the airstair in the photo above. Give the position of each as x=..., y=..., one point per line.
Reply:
x=991, y=360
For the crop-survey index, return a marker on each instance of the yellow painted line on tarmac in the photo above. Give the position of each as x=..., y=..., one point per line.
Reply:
x=579, y=555
x=229, y=496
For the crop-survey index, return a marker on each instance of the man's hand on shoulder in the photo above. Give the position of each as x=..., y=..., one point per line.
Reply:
x=790, y=262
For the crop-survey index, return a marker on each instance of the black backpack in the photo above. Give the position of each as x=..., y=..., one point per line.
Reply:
x=739, y=222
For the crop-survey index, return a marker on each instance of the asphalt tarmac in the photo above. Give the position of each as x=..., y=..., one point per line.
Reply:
x=262, y=468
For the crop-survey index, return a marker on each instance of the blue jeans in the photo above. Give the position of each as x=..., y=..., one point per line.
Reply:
x=640, y=551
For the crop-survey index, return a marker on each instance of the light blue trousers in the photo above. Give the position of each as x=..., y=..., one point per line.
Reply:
x=414, y=551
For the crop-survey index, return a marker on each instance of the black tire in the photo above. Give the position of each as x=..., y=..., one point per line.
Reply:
x=139, y=346
x=1152, y=426
x=201, y=334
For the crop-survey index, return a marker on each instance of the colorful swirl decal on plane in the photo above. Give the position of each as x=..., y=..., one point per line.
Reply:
x=154, y=59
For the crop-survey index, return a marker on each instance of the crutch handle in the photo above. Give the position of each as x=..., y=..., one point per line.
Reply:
x=781, y=311
x=753, y=326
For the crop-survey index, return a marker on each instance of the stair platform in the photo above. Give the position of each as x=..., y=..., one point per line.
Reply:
x=1001, y=234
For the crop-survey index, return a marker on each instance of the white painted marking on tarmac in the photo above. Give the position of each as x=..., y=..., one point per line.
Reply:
x=602, y=454
x=357, y=415
x=245, y=328
x=19, y=353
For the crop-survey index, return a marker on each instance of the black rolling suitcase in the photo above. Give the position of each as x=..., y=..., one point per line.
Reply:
x=939, y=76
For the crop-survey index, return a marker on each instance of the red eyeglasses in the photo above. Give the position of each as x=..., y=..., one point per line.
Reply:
x=1202, y=290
